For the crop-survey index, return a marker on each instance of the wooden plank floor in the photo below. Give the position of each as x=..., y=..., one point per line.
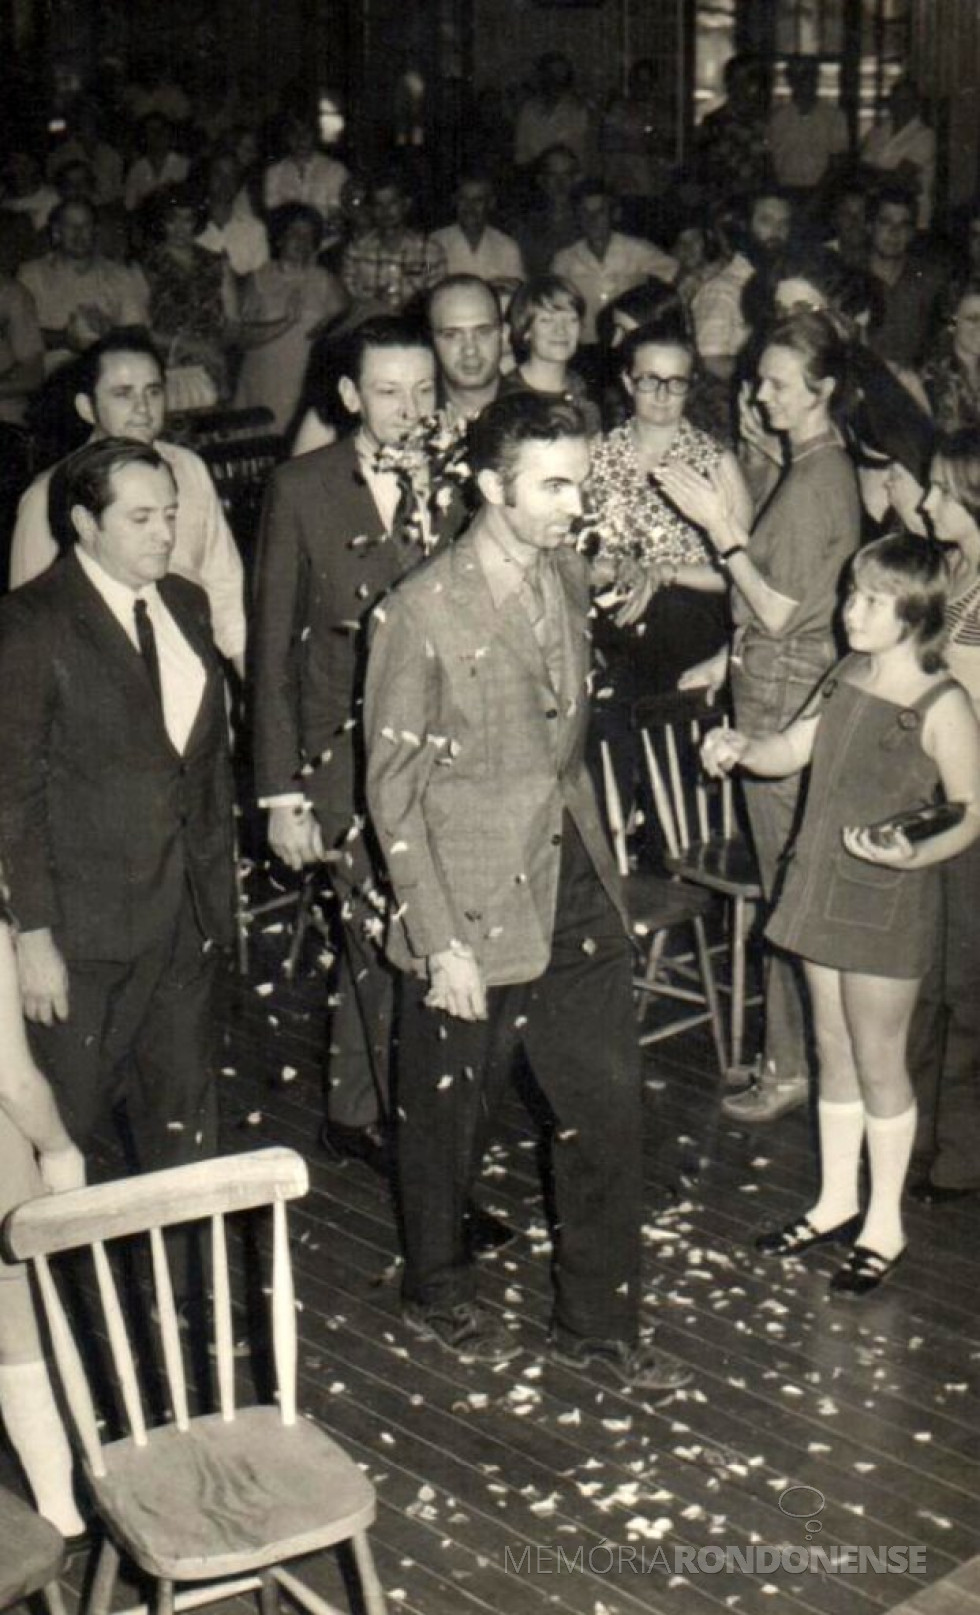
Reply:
x=531, y=1488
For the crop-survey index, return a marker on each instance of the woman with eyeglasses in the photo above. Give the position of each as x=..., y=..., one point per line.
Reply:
x=944, y=1039
x=678, y=612
x=784, y=569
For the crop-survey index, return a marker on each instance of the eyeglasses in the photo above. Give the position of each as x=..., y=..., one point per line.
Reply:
x=673, y=386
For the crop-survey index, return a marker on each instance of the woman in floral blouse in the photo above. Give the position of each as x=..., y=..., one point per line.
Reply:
x=679, y=614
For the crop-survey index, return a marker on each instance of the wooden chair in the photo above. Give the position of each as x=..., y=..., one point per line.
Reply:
x=657, y=906
x=32, y=1555
x=234, y=1494
x=704, y=845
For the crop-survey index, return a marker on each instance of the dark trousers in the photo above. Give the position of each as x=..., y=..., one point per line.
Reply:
x=138, y=1034
x=577, y=1029
x=361, y=1005
x=944, y=1037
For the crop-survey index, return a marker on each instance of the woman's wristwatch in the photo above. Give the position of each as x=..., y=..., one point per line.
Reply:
x=725, y=556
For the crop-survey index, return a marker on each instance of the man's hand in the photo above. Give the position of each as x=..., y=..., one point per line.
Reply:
x=456, y=985
x=43, y=977
x=295, y=835
x=62, y=1169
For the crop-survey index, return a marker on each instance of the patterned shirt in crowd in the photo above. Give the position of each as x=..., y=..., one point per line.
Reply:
x=962, y=649
x=636, y=519
x=954, y=397
x=373, y=272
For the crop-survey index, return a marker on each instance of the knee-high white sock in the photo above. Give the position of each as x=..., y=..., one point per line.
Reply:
x=841, y=1128
x=37, y=1435
x=890, y=1140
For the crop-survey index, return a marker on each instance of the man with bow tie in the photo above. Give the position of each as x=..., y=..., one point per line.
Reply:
x=510, y=927
x=116, y=812
x=341, y=527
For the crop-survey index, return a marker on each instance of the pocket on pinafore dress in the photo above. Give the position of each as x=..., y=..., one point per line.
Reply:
x=862, y=894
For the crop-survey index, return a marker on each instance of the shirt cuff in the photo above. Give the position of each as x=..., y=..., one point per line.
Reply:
x=287, y=799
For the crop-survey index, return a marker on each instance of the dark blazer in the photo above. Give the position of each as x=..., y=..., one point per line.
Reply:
x=474, y=758
x=103, y=824
x=324, y=562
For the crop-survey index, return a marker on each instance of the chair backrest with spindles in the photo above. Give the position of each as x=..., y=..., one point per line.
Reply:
x=145, y=1206
x=691, y=807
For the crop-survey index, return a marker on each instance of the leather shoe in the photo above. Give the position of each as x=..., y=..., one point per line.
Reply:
x=863, y=1272
x=366, y=1144
x=767, y=1101
x=799, y=1236
x=484, y=1232
x=928, y=1193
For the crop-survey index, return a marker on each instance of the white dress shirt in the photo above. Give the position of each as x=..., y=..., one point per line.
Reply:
x=627, y=262
x=205, y=550
x=496, y=256
x=182, y=676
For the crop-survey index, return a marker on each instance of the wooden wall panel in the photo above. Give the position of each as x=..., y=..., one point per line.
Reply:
x=946, y=53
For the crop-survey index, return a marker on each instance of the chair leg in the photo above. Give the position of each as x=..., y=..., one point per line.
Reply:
x=104, y=1580
x=54, y=1598
x=654, y=957
x=738, y=979
x=163, y=1603
x=374, y=1598
x=710, y=991
x=269, y=1596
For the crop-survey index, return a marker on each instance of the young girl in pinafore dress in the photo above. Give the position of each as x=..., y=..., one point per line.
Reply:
x=887, y=730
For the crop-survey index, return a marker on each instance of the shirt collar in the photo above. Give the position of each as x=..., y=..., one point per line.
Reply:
x=118, y=597
x=504, y=573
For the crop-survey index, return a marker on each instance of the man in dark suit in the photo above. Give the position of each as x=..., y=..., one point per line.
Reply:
x=334, y=542
x=510, y=926
x=115, y=812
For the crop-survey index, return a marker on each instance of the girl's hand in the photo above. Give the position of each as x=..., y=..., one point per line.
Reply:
x=905, y=496
x=889, y=847
x=709, y=675
x=641, y=584
x=702, y=502
x=721, y=750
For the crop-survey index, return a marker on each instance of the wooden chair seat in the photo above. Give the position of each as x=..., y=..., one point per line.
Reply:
x=32, y=1552
x=657, y=903
x=226, y=1497
x=722, y=866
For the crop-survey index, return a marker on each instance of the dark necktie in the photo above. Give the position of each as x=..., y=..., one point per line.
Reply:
x=147, y=641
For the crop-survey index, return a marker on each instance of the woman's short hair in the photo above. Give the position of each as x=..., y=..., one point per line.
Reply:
x=173, y=199
x=671, y=330
x=542, y=291
x=915, y=572
x=814, y=337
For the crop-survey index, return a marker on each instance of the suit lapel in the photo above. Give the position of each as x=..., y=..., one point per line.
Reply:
x=98, y=624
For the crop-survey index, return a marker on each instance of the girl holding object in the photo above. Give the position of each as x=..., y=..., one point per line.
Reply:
x=885, y=732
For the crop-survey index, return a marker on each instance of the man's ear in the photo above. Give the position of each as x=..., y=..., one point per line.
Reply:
x=83, y=407
x=85, y=525
x=349, y=395
x=490, y=484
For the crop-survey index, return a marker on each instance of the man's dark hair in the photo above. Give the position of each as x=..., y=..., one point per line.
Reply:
x=87, y=475
x=499, y=430
x=594, y=187
x=281, y=219
x=122, y=339
x=891, y=196
x=457, y=283
x=384, y=331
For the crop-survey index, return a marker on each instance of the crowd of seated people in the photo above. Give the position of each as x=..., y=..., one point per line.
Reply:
x=773, y=357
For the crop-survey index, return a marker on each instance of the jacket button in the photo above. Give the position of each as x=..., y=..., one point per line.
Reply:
x=182, y=820
x=552, y=712
x=556, y=841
